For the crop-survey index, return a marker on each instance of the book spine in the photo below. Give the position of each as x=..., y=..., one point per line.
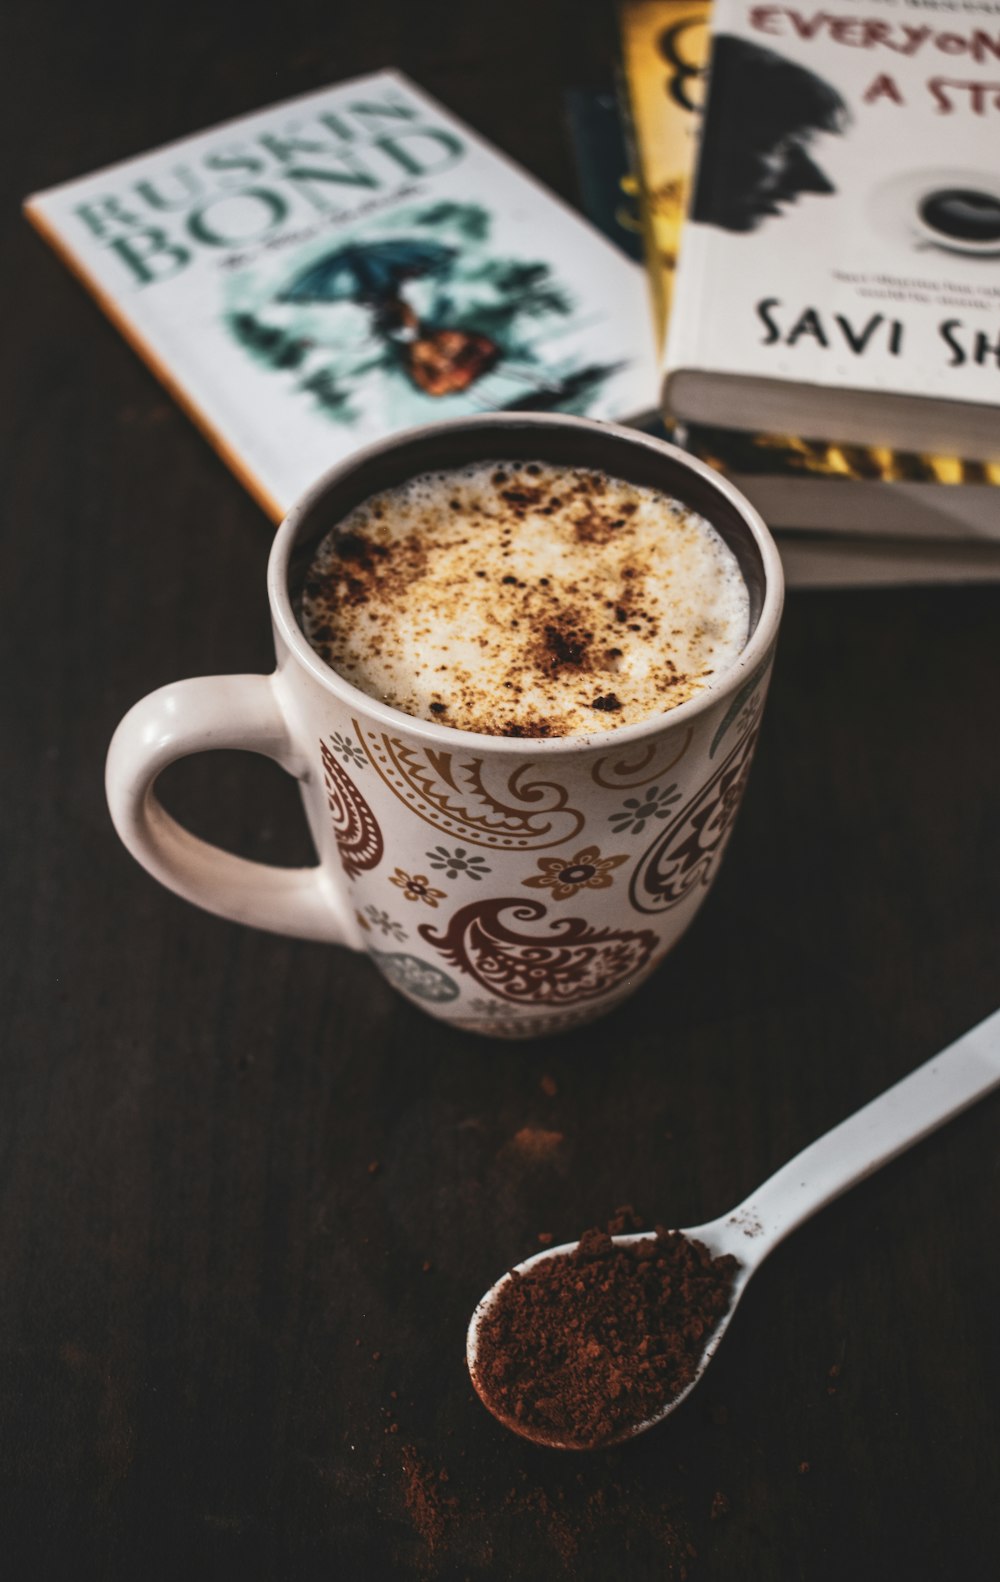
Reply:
x=692, y=291
x=664, y=48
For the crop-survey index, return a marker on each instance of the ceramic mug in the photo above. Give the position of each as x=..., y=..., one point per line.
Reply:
x=513, y=887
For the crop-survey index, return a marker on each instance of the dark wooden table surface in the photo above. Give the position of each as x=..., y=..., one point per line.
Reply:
x=229, y=1349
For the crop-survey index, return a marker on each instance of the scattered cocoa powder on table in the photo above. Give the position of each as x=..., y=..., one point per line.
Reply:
x=584, y=1347
x=575, y=1515
x=429, y=1505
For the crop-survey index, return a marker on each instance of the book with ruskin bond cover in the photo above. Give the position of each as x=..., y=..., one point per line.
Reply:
x=840, y=271
x=871, y=499
x=317, y=275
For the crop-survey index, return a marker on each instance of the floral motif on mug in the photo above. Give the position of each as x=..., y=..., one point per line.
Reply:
x=637, y=811
x=358, y=837
x=474, y=799
x=490, y=1010
x=687, y=852
x=416, y=887
x=419, y=979
x=571, y=962
x=452, y=863
x=375, y=917
x=348, y=750
x=738, y=709
x=565, y=877
x=748, y=718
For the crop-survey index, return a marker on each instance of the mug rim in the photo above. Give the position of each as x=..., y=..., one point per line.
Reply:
x=750, y=657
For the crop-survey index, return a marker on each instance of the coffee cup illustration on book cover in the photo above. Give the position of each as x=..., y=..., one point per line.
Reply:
x=940, y=210
x=418, y=304
x=757, y=140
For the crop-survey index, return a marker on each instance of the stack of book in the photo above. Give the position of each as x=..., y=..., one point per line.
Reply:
x=822, y=225
x=325, y=272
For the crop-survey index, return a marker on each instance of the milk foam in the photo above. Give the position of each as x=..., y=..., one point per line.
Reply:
x=523, y=599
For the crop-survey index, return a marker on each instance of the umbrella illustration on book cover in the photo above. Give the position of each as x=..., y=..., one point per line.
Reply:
x=439, y=361
x=449, y=320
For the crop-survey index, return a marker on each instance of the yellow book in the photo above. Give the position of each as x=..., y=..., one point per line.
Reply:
x=665, y=52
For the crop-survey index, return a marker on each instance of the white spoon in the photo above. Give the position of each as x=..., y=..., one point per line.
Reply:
x=936, y=1092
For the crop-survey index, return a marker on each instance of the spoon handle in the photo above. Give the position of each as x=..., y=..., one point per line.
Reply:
x=936, y=1092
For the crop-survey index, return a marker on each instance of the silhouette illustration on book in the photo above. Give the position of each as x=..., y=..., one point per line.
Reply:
x=763, y=112
x=419, y=313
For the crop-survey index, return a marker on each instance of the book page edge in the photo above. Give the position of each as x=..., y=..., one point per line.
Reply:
x=130, y=332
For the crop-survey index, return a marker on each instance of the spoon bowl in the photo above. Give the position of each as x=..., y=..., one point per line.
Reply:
x=931, y=1095
x=720, y=1236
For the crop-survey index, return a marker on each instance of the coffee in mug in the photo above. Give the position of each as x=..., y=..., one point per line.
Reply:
x=521, y=599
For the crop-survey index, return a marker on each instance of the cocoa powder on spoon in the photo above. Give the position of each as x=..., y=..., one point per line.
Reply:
x=581, y=1348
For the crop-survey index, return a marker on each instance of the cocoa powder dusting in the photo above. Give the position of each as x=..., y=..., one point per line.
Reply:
x=488, y=599
x=624, y=1221
x=584, y=1347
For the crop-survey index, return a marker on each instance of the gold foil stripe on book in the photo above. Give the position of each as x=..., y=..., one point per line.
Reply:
x=775, y=455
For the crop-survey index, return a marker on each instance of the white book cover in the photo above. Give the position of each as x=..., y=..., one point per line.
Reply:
x=312, y=277
x=845, y=225
x=812, y=560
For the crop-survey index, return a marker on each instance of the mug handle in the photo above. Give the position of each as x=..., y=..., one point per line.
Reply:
x=197, y=716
